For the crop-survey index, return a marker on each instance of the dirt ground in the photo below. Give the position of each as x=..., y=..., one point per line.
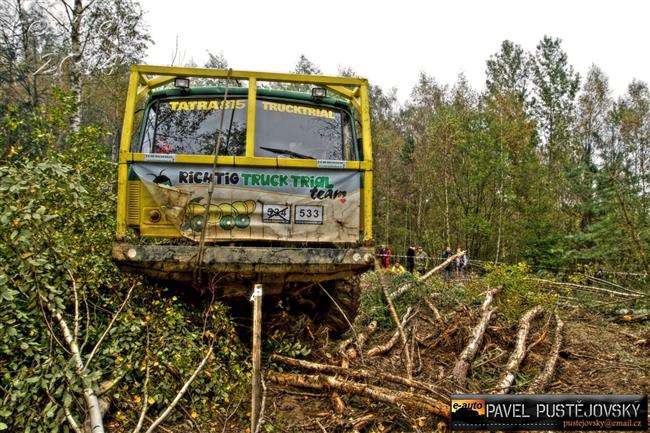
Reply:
x=598, y=355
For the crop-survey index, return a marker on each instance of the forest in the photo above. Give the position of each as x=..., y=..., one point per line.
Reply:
x=544, y=170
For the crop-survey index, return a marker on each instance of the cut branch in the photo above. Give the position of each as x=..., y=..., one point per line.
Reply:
x=397, y=398
x=357, y=373
x=519, y=352
x=540, y=382
x=426, y=276
x=108, y=328
x=400, y=329
x=383, y=348
x=182, y=392
x=92, y=402
x=459, y=373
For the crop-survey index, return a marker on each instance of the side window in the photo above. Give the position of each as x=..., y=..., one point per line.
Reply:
x=349, y=153
x=150, y=130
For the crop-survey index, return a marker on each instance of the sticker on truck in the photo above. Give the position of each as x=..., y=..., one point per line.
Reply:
x=308, y=215
x=276, y=213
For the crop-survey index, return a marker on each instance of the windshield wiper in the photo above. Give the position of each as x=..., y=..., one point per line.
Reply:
x=287, y=152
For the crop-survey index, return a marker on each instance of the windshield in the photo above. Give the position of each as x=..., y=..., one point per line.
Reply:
x=191, y=126
x=289, y=130
x=283, y=129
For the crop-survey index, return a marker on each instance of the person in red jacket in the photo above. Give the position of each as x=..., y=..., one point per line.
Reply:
x=388, y=256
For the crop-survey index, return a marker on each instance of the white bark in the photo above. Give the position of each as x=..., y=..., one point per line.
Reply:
x=92, y=402
x=468, y=354
x=519, y=352
x=541, y=381
x=180, y=394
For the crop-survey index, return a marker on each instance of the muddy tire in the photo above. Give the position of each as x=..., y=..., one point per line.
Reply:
x=346, y=294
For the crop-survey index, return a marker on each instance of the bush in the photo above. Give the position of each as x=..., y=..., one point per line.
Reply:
x=56, y=230
x=519, y=291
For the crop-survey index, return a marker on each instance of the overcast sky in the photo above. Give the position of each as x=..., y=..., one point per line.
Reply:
x=390, y=43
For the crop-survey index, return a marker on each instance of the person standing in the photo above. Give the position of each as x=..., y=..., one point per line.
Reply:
x=461, y=263
x=422, y=260
x=410, y=259
x=388, y=257
x=381, y=255
x=445, y=255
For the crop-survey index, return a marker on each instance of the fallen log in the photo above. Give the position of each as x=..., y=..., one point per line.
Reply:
x=357, y=373
x=542, y=380
x=519, y=352
x=426, y=276
x=398, y=398
x=459, y=373
x=383, y=348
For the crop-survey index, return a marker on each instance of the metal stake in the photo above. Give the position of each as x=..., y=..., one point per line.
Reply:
x=256, y=298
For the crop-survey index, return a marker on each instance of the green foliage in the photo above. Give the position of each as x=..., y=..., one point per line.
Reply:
x=284, y=343
x=30, y=132
x=519, y=291
x=56, y=227
x=373, y=302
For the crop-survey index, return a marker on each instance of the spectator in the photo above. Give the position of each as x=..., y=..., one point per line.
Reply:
x=397, y=268
x=445, y=255
x=381, y=255
x=410, y=259
x=388, y=257
x=422, y=261
x=461, y=263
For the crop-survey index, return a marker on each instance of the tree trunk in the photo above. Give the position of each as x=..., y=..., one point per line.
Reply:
x=76, y=66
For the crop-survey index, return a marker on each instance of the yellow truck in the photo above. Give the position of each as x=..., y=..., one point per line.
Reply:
x=231, y=178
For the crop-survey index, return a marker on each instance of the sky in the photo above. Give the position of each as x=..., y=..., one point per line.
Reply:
x=391, y=43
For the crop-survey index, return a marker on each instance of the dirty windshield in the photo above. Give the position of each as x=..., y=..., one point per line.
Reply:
x=283, y=129
x=191, y=126
x=290, y=130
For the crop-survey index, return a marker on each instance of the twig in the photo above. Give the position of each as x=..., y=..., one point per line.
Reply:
x=108, y=328
x=229, y=415
x=145, y=397
x=585, y=288
x=618, y=286
x=358, y=373
x=436, y=313
x=321, y=426
x=90, y=396
x=345, y=316
x=426, y=276
x=73, y=423
x=383, y=348
x=75, y=320
x=182, y=392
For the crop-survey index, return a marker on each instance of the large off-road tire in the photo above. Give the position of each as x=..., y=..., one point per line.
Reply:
x=346, y=295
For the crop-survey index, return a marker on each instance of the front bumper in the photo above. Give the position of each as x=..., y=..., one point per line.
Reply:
x=279, y=264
